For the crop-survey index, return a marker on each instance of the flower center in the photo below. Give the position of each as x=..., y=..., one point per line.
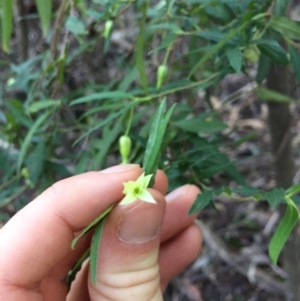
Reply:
x=136, y=190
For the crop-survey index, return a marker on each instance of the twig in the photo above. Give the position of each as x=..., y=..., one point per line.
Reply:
x=22, y=30
x=241, y=263
x=57, y=27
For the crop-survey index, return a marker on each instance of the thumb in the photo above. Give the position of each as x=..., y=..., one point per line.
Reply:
x=128, y=255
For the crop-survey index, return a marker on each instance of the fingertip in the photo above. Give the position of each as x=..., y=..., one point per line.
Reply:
x=161, y=182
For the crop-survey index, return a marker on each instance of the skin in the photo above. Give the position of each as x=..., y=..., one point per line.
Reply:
x=35, y=253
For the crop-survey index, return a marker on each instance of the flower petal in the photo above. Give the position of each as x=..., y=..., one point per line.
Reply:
x=140, y=181
x=146, y=197
x=147, y=180
x=129, y=186
x=128, y=199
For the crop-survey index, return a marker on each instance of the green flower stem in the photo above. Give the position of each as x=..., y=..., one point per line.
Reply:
x=11, y=198
x=173, y=90
x=15, y=178
x=91, y=225
x=129, y=123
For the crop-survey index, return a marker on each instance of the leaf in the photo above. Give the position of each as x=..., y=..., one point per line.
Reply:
x=280, y=7
x=110, y=118
x=219, y=12
x=293, y=190
x=295, y=62
x=216, y=48
x=91, y=225
x=7, y=23
x=4, y=217
x=283, y=231
x=44, y=8
x=286, y=27
x=201, y=125
x=140, y=48
x=202, y=200
x=274, y=197
x=35, y=162
x=36, y=126
x=109, y=136
x=271, y=95
x=235, y=58
x=273, y=50
x=95, y=250
x=75, y=25
x=44, y=104
x=157, y=132
x=245, y=191
x=114, y=95
x=264, y=65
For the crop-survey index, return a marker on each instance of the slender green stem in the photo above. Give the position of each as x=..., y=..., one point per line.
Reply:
x=173, y=90
x=9, y=182
x=12, y=197
x=131, y=110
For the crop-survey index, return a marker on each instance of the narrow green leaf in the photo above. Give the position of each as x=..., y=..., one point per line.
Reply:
x=286, y=27
x=271, y=95
x=274, y=197
x=44, y=104
x=152, y=148
x=140, y=48
x=29, y=136
x=235, y=58
x=76, y=26
x=280, y=7
x=114, y=95
x=95, y=250
x=76, y=268
x=245, y=191
x=202, y=200
x=154, y=143
x=201, y=125
x=293, y=190
x=295, y=62
x=283, y=231
x=4, y=217
x=264, y=65
x=90, y=226
x=110, y=118
x=273, y=50
x=216, y=48
x=35, y=162
x=7, y=23
x=109, y=136
x=44, y=8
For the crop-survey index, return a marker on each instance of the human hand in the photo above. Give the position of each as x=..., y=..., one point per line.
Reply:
x=143, y=245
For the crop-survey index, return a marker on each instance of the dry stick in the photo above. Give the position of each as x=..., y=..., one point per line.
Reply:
x=22, y=30
x=241, y=263
x=57, y=26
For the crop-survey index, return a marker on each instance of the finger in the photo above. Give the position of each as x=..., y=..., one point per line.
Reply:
x=128, y=253
x=40, y=235
x=161, y=182
x=179, y=203
x=177, y=253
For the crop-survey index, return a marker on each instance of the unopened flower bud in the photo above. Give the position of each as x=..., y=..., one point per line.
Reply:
x=125, y=147
x=107, y=28
x=161, y=75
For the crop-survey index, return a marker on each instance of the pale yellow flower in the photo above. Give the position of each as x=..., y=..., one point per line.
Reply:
x=134, y=190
